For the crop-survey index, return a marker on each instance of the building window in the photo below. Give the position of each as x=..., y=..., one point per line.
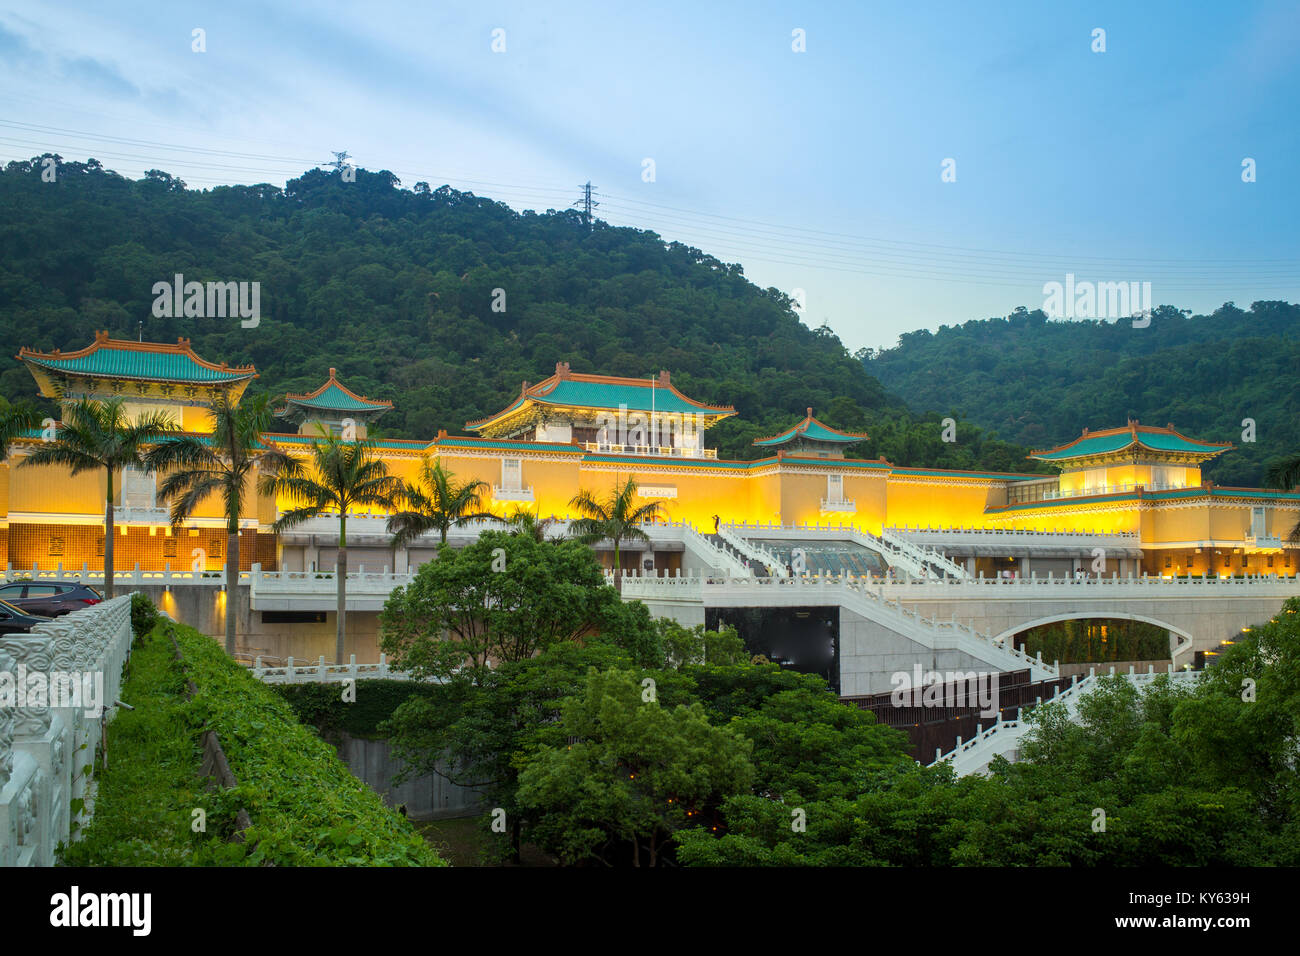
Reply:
x=56, y=547
x=511, y=474
x=214, y=548
x=834, y=487
x=138, y=489
x=1191, y=561
x=169, y=547
x=1169, y=560
x=99, y=546
x=1270, y=560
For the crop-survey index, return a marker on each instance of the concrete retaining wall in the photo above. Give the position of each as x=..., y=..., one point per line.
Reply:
x=429, y=797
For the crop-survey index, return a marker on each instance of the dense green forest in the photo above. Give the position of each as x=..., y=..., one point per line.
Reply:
x=395, y=288
x=1040, y=382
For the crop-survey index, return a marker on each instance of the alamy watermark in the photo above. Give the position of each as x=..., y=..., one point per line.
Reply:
x=77, y=690
x=946, y=689
x=212, y=300
x=648, y=429
x=1098, y=300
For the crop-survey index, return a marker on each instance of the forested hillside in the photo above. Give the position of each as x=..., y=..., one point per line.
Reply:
x=395, y=288
x=1040, y=382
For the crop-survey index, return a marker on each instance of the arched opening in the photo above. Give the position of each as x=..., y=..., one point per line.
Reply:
x=1102, y=638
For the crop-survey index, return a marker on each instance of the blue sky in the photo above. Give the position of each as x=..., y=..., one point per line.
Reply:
x=818, y=171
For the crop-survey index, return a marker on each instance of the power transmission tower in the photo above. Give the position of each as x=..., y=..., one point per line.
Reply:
x=586, y=203
x=340, y=160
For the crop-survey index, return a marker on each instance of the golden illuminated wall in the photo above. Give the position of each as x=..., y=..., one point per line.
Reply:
x=925, y=501
x=1172, y=524
x=51, y=489
x=1128, y=473
x=764, y=496
x=1070, y=516
x=700, y=494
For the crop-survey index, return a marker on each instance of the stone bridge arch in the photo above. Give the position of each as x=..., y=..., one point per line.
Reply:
x=1182, y=646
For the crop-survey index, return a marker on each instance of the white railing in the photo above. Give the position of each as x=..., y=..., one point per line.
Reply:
x=512, y=494
x=839, y=504
x=122, y=578
x=1271, y=542
x=1107, y=490
x=1082, y=586
x=755, y=552
x=1005, y=736
x=1011, y=537
x=322, y=673
x=658, y=451
x=718, y=558
x=925, y=556
x=45, y=750
x=893, y=555
x=857, y=594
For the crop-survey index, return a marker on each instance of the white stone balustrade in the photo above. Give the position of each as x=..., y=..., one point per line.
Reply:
x=1003, y=737
x=44, y=749
x=319, y=672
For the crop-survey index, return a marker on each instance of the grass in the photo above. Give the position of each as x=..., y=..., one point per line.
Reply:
x=307, y=808
x=142, y=813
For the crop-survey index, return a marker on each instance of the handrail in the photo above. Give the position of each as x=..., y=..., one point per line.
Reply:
x=970, y=755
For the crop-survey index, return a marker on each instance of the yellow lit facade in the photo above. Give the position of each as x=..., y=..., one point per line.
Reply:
x=573, y=431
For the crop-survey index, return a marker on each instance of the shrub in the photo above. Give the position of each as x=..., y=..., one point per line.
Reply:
x=143, y=614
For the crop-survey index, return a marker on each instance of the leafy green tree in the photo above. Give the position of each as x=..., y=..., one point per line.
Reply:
x=97, y=435
x=698, y=645
x=637, y=774
x=616, y=517
x=343, y=476
x=224, y=464
x=476, y=735
x=436, y=502
x=503, y=598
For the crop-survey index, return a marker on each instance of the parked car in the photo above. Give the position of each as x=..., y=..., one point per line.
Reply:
x=14, y=620
x=49, y=598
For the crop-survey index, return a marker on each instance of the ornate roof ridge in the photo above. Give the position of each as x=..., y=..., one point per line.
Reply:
x=802, y=428
x=104, y=341
x=333, y=380
x=1134, y=429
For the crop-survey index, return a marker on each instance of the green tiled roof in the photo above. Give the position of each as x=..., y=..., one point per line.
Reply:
x=1112, y=441
x=335, y=398
x=608, y=395
x=811, y=429
x=124, y=359
x=591, y=392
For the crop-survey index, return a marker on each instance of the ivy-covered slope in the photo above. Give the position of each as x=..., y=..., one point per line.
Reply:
x=306, y=808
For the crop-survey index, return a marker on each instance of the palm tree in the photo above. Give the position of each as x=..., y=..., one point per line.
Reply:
x=99, y=434
x=343, y=475
x=525, y=522
x=614, y=518
x=1285, y=475
x=435, y=501
x=14, y=421
x=221, y=464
